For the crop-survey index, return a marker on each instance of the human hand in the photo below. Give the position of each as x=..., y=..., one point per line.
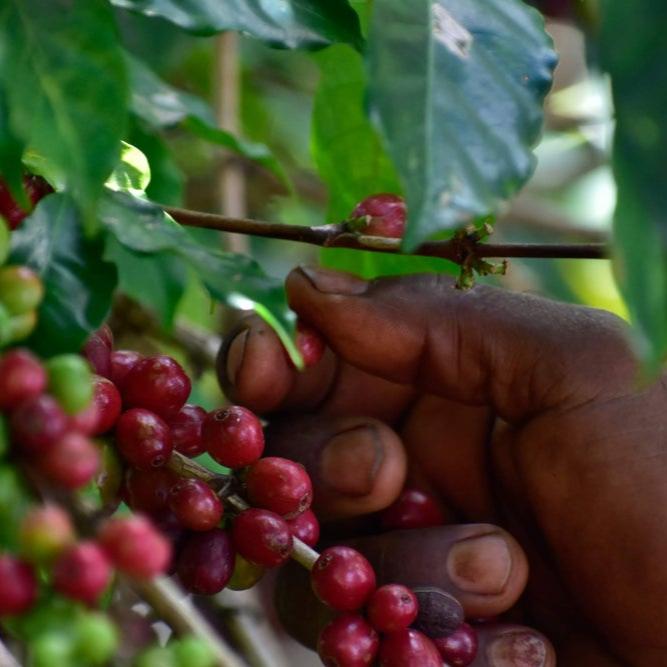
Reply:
x=518, y=412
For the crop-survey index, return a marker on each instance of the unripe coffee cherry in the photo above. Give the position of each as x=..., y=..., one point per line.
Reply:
x=21, y=289
x=205, y=562
x=70, y=382
x=82, y=572
x=262, y=537
x=22, y=377
x=380, y=215
x=279, y=485
x=348, y=641
x=143, y=438
x=233, y=436
x=45, y=532
x=96, y=639
x=408, y=647
x=18, y=591
x=190, y=651
x=245, y=575
x=21, y=326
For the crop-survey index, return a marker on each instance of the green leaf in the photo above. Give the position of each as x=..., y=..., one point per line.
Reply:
x=458, y=86
x=78, y=283
x=633, y=51
x=133, y=173
x=287, y=23
x=11, y=151
x=347, y=149
x=64, y=76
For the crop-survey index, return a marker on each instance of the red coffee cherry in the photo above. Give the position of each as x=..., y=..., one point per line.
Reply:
x=412, y=509
x=135, y=547
x=36, y=188
x=71, y=462
x=310, y=343
x=148, y=490
x=233, y=436
x=158, y=384
x=460, y=648
x=380, y=215
x=186, y=430
x=97, y=350
x=82, y=572
x=122, y=362
x=107, y=402
x=348, y=641
x=143, y=438
x=408, y=647
x=22, y=377
x=38, y=423
x=262, y=537
x=342, y=578
x=279, y=485
x=392, y=608
x=195, y=504
x=205, y=562
x=306, y=528
x=18, y=591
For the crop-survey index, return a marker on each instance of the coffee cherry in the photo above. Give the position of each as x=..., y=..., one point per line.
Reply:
x=279, y=485
x=408, y=647
x=460, y=648
x=233, y=436
x=186, y=430
x=122, y=362
x=306, y=528
x=97, y=350
x=96, y=639
x=21, y=289
x=5, y=240
x=245, y=575
x=22, y=377
x=310, y=343
x=392, y=607
x=18, y=591
x=82, y=572
x=135, y=547
x=45, y=532
x=205, y=562
x=262, y=537
x=155, y=656
x=380, y=215
x=107, y=402
x=70, y=382
x=51, y=648
x=71, y=462
x=158, y=384
x=195, y=504
x=36, y=187
x=412, y=509
x=348, y=641
x=191, y=651
x=21, y=326
x=38, y=423
x=84, y=422
x=143, y=439
x=342, y=578
x=148, y=490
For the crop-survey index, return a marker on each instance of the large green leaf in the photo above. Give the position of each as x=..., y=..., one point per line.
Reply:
x=64, y=76
x=348, y=152
x=458, y=87
x=634, y=53
x=11, y=151
x=288, y=23
x=79, y=284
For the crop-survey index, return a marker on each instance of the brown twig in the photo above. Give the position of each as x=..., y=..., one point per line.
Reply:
x=458, y=249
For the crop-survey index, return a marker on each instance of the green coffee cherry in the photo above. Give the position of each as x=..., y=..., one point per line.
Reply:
x=96, y=639
x=5, y=326
x=245, y=575
x=155, y=656
x=70, y=382
x=45, y=532
x=52, y=648
x=192, y=652
x=21, y=326
x=5, y=240
x=110, y=477
x=21, y=289
x=4, y=437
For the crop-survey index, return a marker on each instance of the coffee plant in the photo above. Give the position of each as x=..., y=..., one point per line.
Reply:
x=126, y=481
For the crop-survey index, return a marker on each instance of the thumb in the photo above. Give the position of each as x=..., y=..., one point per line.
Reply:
x=518, y=353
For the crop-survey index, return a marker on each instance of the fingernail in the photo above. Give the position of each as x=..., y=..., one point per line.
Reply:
x=517, y=649
x=480, y=564
x=235, y=354
x=350, y=461
x=333, y=282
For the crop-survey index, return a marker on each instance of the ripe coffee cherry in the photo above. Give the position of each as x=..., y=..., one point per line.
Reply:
x=342, y=578
x=279, y=485
x=148, y=490
x=186, y=430
x=36, y=188
x=70, y=382
x=18, y=591
x=122, y=362
x=408, y=647
x=262, y=537
x=195, y=504
x=392, y=607
x=348, y=641
x=306, y=528
x=460, y=648
x=245, y=575
x=143, y=439
x=205, y=562
x=38, y=423
x=21, y=289
x=233, y=436
x=82, y=572
x=380, y=215
x=45, y=532
x=310, y=343
x=412, y=509
x=97, y=350
x=135, y=547
x=107, y=402
x=22, y=377
x=158, y=384
x=71, y=462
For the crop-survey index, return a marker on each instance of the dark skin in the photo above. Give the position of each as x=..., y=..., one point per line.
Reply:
x=525, y=416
